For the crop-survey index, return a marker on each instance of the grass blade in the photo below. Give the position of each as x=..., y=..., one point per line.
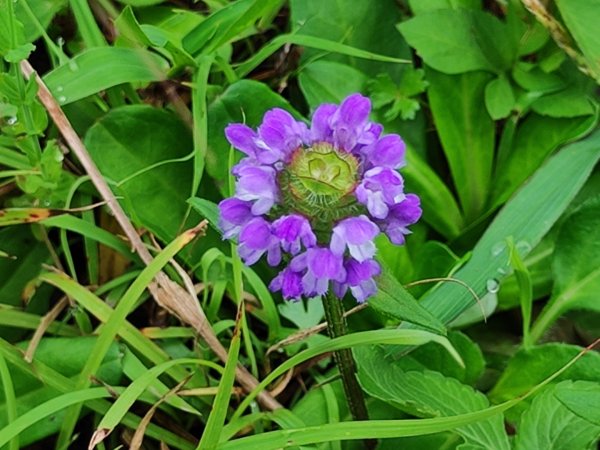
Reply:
x=216, y=420
x=114, y=323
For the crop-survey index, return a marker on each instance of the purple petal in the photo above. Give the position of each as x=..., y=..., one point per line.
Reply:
x=401, y=216
x=294, y=230
x=323, y=263
x=258, y=183
x=350, y=121
x=233, y=214
x=241, y=137
x=388, y=152
x=357, y=233
x=281, y=133
x=380, y=188
x=320, y=129
x=289, y=283
x=256, y=234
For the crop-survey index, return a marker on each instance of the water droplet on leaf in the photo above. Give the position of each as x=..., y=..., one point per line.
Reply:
x=492, y=285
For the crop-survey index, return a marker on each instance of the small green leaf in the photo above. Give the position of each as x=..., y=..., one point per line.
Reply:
x=499, y=98
x=19, y=53
x=207, y=209
x=394, y=301
x=303, y=316
x=384, y=91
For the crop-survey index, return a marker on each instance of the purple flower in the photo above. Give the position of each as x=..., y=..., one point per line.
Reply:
x=256, y=238
x=320, y=265
x=258, y=184
x=356, y=233
x=359, y=279
x=293, y=230
x=234, y=214
x=400, y=217
x=319, y=195
x=289, y=283
x=380, y=188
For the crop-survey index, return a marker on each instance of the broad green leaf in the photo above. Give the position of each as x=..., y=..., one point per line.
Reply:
x=142, y=151
x=527, y=218
x=433, y=260
x=550, y=425
x=499, y=97
x=456, y=41
x=301, y=315
x=359, y=25
x=325, y=81
x=429, y=357
x=536, y=138
x=581, y=17
x=430, y=394
x=466, y=132
x=393, y=301
x=581, y=398
x=243, y=102
x=529, y=366
x=100, y=68
x=576, y=266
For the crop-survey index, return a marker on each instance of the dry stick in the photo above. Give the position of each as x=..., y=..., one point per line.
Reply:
x=560, y=35
x=167, y=293
x=43, y=326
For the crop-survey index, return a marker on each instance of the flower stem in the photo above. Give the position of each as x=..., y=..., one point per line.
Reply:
x=336, y=326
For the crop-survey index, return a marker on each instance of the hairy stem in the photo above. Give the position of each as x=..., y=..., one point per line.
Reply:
x=336, y=326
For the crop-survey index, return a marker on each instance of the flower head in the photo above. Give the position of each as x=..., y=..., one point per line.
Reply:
x=320, y=195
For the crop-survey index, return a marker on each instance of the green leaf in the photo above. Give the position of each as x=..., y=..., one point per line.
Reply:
x=19, y=53
x=440, y=209
x=499, y=98
x=550, y=425
x=430, y=394
x=429, y=357
x=303, y=316
x=581, y=398
x=100, y=68
x=529, y=366
x=581, y=17
x=394, y=301
x=570, y=102
x=384, y=91
x=536, y=138
x=466, y=132
x=142, y=150
x=527, y=218
x=325, y=81
x=360, y=25
x=207, y=209
x=43, y=10
x=576, y=266
x=456, y=41
x=423, y=6
x=243, y=102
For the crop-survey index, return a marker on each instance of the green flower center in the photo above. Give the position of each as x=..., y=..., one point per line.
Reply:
x=319, y=183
